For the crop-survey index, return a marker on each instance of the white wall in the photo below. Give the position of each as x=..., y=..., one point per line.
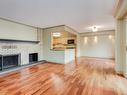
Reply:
x=11, y=30
x=121, y=45
x=97, y=45
x=121, y=39
x=119, y=54
x=125, y=47
x=125, y=30
x=78, y=45
x=51, y=55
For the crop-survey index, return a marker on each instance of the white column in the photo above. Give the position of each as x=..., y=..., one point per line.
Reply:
x=118, y=49
x=78, y=45
x=124, y=48
x=121, y=48
x=40, y=39
x=121, y=38
x=125, y=31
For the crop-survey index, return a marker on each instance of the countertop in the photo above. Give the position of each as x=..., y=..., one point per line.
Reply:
x=61, y=49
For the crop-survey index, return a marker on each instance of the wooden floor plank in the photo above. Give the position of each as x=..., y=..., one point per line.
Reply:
x=84, y=76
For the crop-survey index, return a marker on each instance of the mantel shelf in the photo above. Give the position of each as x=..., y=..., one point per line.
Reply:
x=13, y=40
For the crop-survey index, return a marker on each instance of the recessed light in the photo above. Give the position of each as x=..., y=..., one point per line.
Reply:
x=110, y=36
x=85, y=40
x=95, y=39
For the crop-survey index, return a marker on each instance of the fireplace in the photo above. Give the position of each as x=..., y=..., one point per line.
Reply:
x=0, y=62
x=33, y=57
x=9, y=61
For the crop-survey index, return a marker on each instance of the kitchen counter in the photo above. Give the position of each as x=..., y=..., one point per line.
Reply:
x=69, y=55
x=61, y=49
x=62, y=56
x=57, y=49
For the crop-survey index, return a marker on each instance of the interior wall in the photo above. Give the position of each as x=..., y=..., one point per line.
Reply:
x=121, y=38
x=11, y=30
x=119, y=54
x=126, y=45
x=98, y=44
x=125, y=31
x=49, y=54
x=121, y=46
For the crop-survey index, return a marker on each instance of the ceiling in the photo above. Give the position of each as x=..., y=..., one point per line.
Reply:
x=78, y=14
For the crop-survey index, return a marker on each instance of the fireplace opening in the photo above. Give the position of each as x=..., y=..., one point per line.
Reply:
x=10, y=61
x=0, y=62
x=33, y=57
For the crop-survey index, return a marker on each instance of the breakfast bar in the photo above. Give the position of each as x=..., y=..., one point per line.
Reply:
x=62, y=56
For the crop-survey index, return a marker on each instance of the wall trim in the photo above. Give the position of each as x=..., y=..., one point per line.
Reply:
x=118, y=4
x=121, y=9
x=17, y=22
x=99, y=33
x=54, y=26
x=99, y=57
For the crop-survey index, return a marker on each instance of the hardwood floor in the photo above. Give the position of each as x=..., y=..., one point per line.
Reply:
x=85, y=76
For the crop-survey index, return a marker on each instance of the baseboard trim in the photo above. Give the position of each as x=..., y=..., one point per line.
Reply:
x=98, y=57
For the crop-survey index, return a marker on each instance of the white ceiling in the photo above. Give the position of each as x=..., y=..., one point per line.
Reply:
x=78, y=14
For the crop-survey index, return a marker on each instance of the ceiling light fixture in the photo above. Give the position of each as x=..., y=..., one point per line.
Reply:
x=94, y=29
